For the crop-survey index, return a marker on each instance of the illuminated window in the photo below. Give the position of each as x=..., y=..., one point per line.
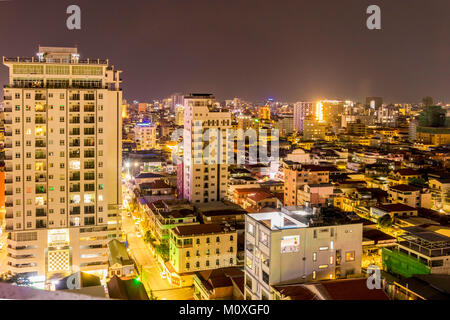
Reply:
x=88, y=198
x=75, y=165
x=249, y=262
x=331, y=260
x=350, y=256
x=323, y=266
x=314, y=275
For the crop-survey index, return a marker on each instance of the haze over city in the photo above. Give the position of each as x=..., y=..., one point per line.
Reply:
x=290, y=50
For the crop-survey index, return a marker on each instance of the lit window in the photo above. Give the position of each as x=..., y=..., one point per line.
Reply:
x=350, y=256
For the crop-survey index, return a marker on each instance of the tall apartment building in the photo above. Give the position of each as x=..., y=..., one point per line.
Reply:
x=63, y=162
x=205, y=173
x=301, y=111
x=145, y=136
x=295, y=245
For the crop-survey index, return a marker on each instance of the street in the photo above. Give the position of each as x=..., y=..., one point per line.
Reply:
x=151, y=273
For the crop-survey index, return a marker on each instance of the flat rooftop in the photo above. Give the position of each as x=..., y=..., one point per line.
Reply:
x=297, y=217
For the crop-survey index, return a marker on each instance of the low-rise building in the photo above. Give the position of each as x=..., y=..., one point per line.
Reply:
x=219, y=284
x=201, y=247
x=409, y=195
x=393, y=209
x=299, y=245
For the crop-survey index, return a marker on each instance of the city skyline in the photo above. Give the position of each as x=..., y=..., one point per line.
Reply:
x=293, y=51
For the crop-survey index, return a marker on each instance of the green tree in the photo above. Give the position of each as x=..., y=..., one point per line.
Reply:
x=163, y=251
x=385, y=221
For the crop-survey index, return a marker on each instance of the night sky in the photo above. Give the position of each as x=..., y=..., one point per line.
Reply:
x=287, y=49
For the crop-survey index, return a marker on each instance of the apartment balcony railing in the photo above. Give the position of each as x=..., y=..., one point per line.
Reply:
x=58, y=61
x=7, y=121
x=74, y=121
x=9, y=204
x=74, y=143
x=75, y=97
x=41, y=190
x=39, y=97
x=7, y=109
x=7, y=98
x=75, y=178
x=9, y=216
x=75, y=132
x=40, y=144
x=8, y=157
x=89, y=131
x=8, y=134
x=8, y=192
x=8, y=181
x=89, y=109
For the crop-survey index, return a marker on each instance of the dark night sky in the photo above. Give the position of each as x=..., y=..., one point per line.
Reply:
x=287, y=49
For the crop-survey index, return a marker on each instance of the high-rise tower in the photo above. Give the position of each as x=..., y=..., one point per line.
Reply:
x=63, y=162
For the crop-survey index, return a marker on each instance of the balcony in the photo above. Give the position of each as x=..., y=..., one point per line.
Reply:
x=89, y=120
x=8, y=193
x=75, y=211
x=75, y=154
x=89, y=108
x=75, y=132
x=39, y=121
x=7, y=121
x=8, y=134
x=89, y=97
x=7, y=109
x=40, y=144
x=75, y=177
x=89, y=131
x=74, y=143
x=40, y=156
x=75, y=97
x=89, y=154
x=39, y=97
x=9, y=204
x=40, y=190
x=40, y=179
x=41, y=213
x=7, y=98
x=75, y=188
x=74, y=121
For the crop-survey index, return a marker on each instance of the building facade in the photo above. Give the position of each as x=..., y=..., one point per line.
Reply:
x=205, y=169
x=283, y=247
x=63, y=162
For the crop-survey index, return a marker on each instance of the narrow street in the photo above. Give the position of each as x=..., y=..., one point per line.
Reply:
x=151, y=272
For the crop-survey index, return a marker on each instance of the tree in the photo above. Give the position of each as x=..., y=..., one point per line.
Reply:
x=385, y=221
x=163, y=251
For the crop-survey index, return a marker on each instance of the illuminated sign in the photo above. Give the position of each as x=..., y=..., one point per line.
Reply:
x=290, y=244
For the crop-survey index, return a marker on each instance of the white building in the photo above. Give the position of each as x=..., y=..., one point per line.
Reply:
x=301, y=111
x=145, y=136
x=293, y=246
x=63, y=162
x=205, y=174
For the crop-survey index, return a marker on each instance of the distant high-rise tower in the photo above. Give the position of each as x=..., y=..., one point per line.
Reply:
x=374, y=102
x=63, y=162
x=203, y=181
x=302, y=110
